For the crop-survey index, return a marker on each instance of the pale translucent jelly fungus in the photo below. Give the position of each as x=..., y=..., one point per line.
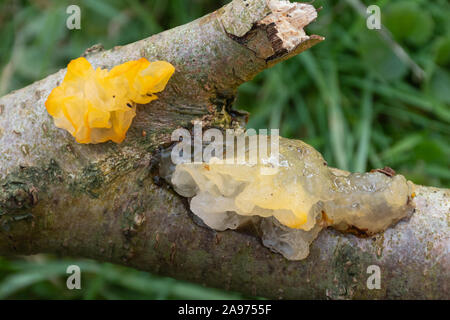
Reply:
x=291, y=206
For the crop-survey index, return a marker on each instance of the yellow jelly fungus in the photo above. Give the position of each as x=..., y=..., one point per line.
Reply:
x=96, y=105
x=300, y=194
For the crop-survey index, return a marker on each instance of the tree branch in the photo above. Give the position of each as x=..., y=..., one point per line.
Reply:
x=105, y=201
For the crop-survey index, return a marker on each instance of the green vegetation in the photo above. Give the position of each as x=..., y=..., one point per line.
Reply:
x=351, y=97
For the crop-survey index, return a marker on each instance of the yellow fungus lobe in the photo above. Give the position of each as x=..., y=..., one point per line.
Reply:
x=290, y=205
x=96, y=105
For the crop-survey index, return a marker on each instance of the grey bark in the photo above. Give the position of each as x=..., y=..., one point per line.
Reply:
x=105, y=201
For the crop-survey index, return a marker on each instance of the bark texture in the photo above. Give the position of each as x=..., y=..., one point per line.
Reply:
x=106, y=202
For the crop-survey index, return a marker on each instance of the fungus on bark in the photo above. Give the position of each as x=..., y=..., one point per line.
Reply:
x=291, y=198
x=96, y=105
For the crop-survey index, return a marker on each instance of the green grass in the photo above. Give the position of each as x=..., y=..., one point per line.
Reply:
x=44, y=277
x=351, y=97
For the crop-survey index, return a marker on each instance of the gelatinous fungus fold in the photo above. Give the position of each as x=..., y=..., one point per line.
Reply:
x=291, y=197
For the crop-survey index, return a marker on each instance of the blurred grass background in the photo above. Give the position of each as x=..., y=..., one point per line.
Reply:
x=352, y=97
